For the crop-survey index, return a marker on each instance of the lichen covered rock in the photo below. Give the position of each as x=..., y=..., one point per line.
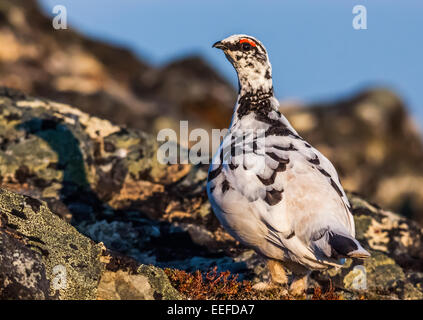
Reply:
x=107, y=182
x=58, y=243
x=58, y=153
x=131, y=281
x=22, y=275
x=43, y=257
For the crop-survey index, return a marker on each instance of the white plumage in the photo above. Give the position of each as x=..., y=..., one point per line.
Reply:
x=268, y=187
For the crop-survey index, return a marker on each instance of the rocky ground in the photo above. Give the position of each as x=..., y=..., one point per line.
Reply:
x=86, y=198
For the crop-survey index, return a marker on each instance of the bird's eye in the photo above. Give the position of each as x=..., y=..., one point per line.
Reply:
x=246, y=46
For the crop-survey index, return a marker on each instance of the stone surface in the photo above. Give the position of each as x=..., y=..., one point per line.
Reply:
x=59, y=244
x=43, y=257
x=22, y=275
x=105, y=180
x=125, y=279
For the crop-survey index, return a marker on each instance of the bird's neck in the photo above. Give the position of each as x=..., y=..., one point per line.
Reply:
x=259, y=102
x=255, y=81
x=255, y=92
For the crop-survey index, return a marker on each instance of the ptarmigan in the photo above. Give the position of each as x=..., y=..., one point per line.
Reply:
x=271, y=189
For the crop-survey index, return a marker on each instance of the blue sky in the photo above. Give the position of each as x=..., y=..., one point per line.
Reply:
x=315, y=52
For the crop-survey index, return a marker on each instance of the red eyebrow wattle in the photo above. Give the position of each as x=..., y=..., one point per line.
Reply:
x=247, y=41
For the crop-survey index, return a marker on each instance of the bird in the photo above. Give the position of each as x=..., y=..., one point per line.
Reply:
x=271, y=189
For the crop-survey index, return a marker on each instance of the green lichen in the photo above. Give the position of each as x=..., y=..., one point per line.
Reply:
x=59, y=243
x=411, y=293
x=159, y=282
x=362, y=224
x=382, y=272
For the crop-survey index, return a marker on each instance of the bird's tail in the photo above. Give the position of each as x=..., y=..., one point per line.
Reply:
x=339, y=245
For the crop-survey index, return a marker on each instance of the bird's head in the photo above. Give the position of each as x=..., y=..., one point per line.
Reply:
x=250, y=60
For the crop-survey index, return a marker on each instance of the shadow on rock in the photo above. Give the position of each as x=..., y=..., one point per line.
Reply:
x=75, y=193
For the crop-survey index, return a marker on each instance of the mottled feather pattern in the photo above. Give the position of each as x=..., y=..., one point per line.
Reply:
x=269, y=187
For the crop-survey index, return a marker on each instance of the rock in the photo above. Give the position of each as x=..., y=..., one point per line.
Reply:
x=22, y=274
x=61, y=247
x=43, y=257
x=201, y=95
x=58, y=153
x=107, y=182
x=125, y=279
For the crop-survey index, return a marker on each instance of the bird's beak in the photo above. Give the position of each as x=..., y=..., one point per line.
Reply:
x=219, y=45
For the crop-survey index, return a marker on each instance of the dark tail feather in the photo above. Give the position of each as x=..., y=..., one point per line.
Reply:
x=336, y=245
x=346, y=246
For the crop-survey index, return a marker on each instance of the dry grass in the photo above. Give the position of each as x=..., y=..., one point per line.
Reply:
x=214, y=285
x=328, y=295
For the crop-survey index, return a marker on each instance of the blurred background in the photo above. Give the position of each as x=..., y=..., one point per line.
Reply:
x=354, y=94
x=315, y=51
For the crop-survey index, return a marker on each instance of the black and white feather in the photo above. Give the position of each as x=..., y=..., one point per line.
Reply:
x=270, y=188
